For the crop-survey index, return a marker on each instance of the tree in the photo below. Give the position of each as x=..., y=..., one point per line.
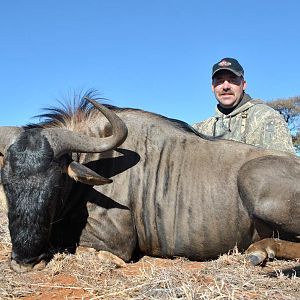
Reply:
x=289, y=108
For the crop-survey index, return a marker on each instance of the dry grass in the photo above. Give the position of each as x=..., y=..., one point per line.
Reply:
x=83, y=276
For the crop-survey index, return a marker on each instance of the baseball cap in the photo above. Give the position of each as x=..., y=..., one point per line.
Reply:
x=230, y=64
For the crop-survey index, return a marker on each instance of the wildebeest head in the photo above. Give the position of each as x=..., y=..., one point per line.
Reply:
x=34, y=174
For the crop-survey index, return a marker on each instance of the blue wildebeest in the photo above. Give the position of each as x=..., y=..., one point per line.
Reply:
x=174, y=192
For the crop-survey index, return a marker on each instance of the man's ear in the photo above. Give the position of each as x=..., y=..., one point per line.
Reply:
x=212, y=88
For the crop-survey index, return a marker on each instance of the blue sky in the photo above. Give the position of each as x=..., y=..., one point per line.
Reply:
x=154, y=55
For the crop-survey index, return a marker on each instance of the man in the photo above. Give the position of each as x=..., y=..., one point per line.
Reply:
x=239, y=117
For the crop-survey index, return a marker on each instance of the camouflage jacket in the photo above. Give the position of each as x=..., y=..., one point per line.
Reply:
x=252, y=123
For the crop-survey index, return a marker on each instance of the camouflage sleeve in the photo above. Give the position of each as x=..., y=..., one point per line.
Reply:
x=197, y=126
x=205, y=127
x=277, y=135
x=272, y=132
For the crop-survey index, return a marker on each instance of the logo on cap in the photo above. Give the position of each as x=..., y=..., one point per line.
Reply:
x=224, y=63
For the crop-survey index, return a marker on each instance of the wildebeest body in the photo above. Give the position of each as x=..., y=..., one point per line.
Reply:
x=179, y=192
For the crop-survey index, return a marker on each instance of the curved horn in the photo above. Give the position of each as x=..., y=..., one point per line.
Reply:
x=8, y=135
x=64, y=140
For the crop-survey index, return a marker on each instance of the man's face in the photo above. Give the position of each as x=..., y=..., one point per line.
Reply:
x=228, y=88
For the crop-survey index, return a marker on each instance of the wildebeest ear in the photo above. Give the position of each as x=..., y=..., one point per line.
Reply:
x=85, y=175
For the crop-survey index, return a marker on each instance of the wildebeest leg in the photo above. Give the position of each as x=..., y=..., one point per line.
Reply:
x=270, y=190
x=260, y=251
x=110, y=227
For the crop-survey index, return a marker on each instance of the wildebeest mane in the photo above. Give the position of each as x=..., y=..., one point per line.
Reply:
x=78, y=110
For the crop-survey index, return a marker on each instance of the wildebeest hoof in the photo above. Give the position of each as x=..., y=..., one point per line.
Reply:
x=83, y=249
x=259, y=252
x=257, y=258
x=23, y=268
x=103, y=256
x=108, y=257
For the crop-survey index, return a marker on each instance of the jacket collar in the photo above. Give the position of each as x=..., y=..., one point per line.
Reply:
x=243, y=105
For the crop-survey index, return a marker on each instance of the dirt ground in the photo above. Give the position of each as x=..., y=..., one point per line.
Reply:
x=83, y=276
